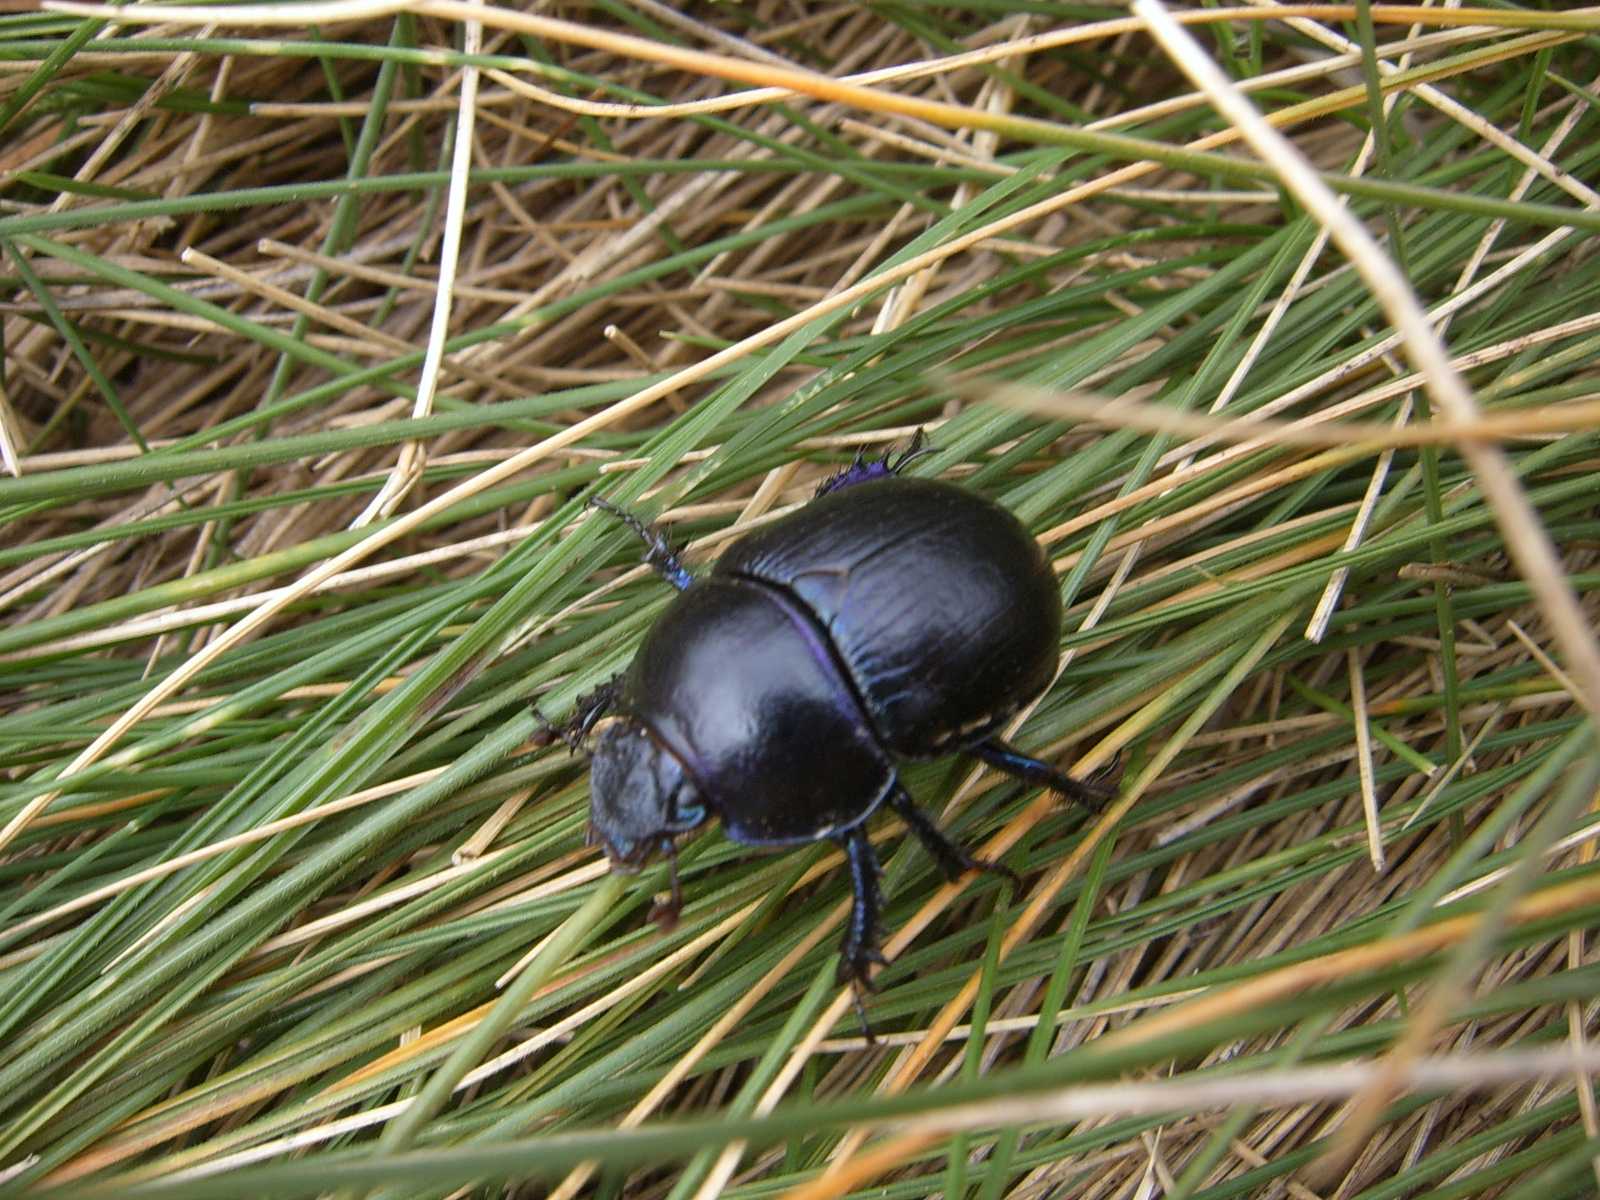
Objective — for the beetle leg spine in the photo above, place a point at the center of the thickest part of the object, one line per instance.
(1007, 758)
(954, 859)
(859, 951)
(863, 469)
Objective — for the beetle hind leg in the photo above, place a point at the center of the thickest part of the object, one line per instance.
(859, 952)
(954, 859)
(1005, 757)
(659, 554)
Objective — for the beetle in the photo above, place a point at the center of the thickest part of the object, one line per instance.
(889, 618)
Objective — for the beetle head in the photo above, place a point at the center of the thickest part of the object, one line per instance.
(640, 797)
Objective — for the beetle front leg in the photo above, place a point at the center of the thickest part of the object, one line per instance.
(860, 949)
(863, 469)
(586, 712)
(954, 859)
(659, 554)
(1004, 757)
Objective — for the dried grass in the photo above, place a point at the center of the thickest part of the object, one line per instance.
(1333, 934)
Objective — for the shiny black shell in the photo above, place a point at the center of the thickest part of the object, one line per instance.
(898, 618)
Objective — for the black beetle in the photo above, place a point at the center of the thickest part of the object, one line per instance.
(889, 618)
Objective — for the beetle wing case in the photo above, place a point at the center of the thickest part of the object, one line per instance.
(736, 681)
(939, 604)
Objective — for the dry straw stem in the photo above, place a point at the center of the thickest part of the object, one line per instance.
(773, 74)
(1227, 1002)
(172, 865)
(1475, 1072)
(1350, 439)
(197, 614)
(913, 1063)
(939, 113)
(1367, 438)
(1526, 539)
(1157, 580)
(524, 1048)
(714, 1036)
(261, 616)
(408, 467)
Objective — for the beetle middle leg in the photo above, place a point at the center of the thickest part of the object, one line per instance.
(659, 554)
(1004, 757)
(860, 949)
(954, 859)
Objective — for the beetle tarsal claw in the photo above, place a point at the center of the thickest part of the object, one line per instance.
(854, 971)
(664, 913)
(861, 1015)
(855, 968)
